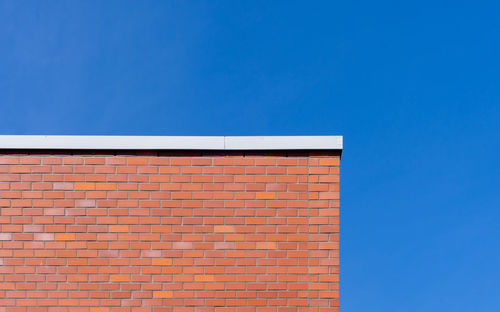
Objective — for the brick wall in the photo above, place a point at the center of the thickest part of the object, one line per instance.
(169, 231)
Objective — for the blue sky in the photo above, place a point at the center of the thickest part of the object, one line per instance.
(412, 86)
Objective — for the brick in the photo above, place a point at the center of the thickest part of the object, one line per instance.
(224, 245)
(64, 237)
(85, 203)
(63, 186)
(106, 186)
(5, 236)
(223, 228)
(19, 169)
(204, 278)
(119, 278)
(266, 245)
(118, 228)
(5, 160)
(182, 245)
(162, 294)
(329, 162)
(84, 186)
(266, 195)
(162, 261)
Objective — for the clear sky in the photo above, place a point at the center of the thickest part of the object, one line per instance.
(412, 86)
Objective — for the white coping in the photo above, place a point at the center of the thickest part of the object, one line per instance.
(102, 142)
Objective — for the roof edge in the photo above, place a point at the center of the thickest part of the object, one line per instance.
(103, 142)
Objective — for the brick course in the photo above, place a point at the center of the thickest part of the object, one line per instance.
(175, 231)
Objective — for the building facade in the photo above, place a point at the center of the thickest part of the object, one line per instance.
(182, 224)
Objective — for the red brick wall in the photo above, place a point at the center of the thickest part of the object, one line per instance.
(169, 231)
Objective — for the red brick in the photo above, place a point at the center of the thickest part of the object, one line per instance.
(204, 278)
(85, 186)
(119, 278)
(223, 228)
(64, 237)
(266, 245)
(162, 261)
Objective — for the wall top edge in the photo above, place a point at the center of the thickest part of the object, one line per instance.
(102, 142)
